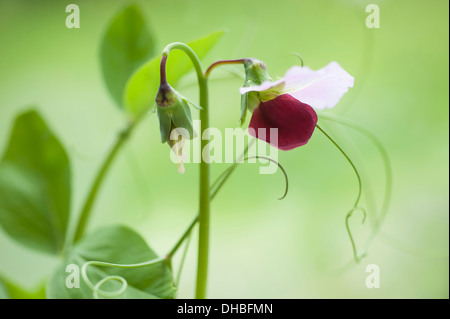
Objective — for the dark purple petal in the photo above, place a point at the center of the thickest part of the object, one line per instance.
(294, 120)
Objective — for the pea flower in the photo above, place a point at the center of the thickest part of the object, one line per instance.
(288, 104)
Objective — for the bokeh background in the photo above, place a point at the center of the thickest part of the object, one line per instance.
(260, 247)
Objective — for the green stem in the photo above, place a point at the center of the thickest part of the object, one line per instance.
(195, 61)
(214, 189)
(183, 258)
(204, 205)
(182, 238)
(87, 207)
(223, 62)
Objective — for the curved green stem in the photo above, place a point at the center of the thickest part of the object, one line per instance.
(183, 258)
(88, 205)
(183, 237)
(204, 206)
(223, 62)
(195, 61)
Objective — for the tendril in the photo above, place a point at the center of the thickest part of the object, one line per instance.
(279, 165)
(96, 288)
(387, 168)
(224, 176)
(358, 197)
(347, 217)
(300, 57)
(97, 292)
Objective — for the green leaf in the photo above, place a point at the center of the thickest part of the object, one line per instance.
(126, 45)
(4, 293)
(142, 87)
(118, 245)
(10, 290)
(35, 186)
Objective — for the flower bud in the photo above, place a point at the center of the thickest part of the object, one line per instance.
(175, 121)
(173, 112)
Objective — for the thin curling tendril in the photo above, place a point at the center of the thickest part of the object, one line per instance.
(347, 226)
(224, 176)
(279, 165)
(355, 206)
(97, 292)
(96, 288)
(387, 168)
(300, 57)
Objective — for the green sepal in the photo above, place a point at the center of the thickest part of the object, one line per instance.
(173, 112)
(244, 107)
(255, 72)
(181, 117)
(253, 100)
(249, 102)
(164, 123)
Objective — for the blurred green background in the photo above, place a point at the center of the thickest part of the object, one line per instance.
(260, 247)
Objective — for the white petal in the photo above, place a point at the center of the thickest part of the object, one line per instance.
(320, 89)
(262, 87)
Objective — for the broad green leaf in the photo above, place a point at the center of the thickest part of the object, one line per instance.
(142, 87)
(10, 290)
(118, 245)
(19, 293)
(125, 46)
(35, 185)
(4, 293)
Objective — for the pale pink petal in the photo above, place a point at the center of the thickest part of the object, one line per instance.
(258, 88)
(320, 89)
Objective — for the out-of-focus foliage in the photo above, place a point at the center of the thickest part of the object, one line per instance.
(126, 45)
(4, 294)
(35, 185)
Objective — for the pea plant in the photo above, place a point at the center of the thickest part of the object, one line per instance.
(115, 261)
